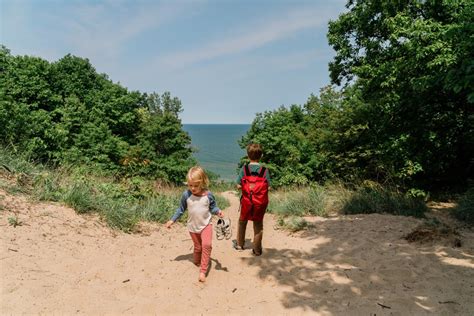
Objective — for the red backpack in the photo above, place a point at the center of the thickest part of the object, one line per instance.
(254, 200)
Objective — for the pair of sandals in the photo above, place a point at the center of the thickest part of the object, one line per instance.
(223, 229)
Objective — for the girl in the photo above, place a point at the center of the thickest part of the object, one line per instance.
(201, 204)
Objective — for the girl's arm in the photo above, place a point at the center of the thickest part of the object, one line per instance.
(180, 210)
(213, 208)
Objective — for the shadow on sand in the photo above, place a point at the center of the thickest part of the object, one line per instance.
(363, 265)
(189, 257)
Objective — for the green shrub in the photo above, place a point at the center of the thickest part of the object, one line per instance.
(373, 198)
(465, 209)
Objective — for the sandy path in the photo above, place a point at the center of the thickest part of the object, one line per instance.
(59, 262)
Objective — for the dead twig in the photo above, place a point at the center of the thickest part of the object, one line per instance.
(383, 306)
(449, 302)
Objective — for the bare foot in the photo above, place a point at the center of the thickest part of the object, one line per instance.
(202, 277)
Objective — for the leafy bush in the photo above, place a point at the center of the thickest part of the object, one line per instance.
(411, 64)
(405, 109)
(286, 149)
(65, 112)
(465, 208)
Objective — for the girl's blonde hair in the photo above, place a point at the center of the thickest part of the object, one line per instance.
(197, 174)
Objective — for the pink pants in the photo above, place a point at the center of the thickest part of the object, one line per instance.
(202, 247)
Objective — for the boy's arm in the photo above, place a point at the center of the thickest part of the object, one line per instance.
(267, 175)
(239, 178)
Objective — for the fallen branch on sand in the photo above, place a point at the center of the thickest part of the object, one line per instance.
(383, 306)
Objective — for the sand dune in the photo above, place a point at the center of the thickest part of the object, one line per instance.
(63, 263)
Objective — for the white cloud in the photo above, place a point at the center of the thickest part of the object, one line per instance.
(261, 34)
(103, 30)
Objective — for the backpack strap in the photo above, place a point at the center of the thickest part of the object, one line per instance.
(262, 172)
(246, 170)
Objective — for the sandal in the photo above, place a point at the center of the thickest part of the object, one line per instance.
(219, 229)
(236, 247)
(227, 229)
(223, 229)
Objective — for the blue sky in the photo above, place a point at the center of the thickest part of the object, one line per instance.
(225, 59)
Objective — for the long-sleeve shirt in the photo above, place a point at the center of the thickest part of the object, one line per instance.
(200, 210)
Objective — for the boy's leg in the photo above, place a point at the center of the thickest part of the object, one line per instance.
(257, 237)
(197, 248)
(206, 237)
(241, 233)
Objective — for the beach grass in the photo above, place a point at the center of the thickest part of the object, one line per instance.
(121, 202)
(292, 204)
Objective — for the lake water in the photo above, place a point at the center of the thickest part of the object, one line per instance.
(217, 147)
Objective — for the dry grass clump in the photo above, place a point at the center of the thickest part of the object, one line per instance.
(435, 231)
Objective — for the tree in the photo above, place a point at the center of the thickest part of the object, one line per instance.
(412, 62)
(286, 148)
(66, 112)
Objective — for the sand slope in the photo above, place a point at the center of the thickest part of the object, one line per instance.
(63, 263)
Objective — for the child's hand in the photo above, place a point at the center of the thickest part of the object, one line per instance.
(220, 214)
(168, 224)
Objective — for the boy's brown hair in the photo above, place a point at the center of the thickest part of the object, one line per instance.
(254, 151)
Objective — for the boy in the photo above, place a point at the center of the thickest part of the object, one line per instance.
(254, 181)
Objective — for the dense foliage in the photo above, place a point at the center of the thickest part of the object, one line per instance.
(413, 63)
(465, 208)
(405, 113)
(64, 112)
